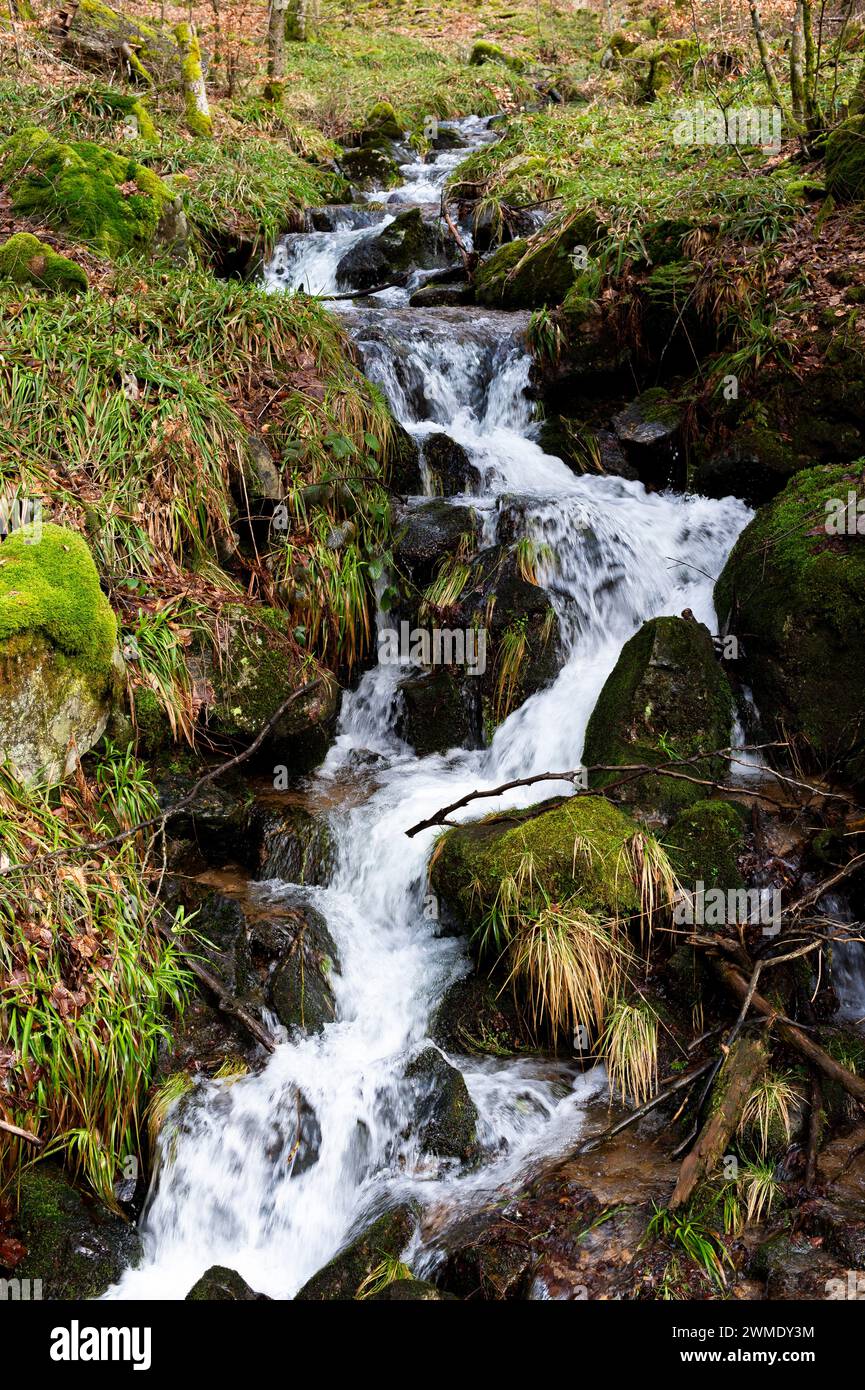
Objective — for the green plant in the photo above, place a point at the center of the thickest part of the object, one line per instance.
(629, 1045)
(387, 1272)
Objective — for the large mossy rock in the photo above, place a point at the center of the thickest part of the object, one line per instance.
(59, 667)
(107, 199)
(529, 274)
(666, 697)
(794, 594)
(29, 261)
(429, 531)
(704, 844)
(370, 168)
(385, 1239)
(94, 35)
(439, 709)
(260, 669)
(406, 243)
(845, 160)
(75, 1245)
(449, 1116)
(471, 861)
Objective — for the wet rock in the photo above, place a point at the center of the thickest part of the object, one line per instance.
(666, 697)
(474, 1016)
(448, 1126)
(339, 217)
(75, 1245)
(584, 451)
(343, 1276)
(221, 928)
(841, 1227)
(427, 532)
(794, 1268)
(440, 709)
(795, 589)
(649, 430)
(262, 476)
(222, 1285)
(403, 462)
(450, 468)
(300, 989)
(295, 845)
(523, 275)
(495, 1264)
(522, 647)
(406, 243)
(369, 168)
(218, 822)
(438, 296)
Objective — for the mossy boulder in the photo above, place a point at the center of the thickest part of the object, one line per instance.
(386, 1238)
(97, 36)
(300, 990)
(427, 532)
(704, 843)
(793, 591)
(406, 243)
(382, 120)
(845, 160)
(412, 1291)
(29, 261)
(660, 61)
(471, 860)
(59, 665)
(260, 669)
(485, 52)
(369, 168)
(666, 697)
(531, 274)
(439, 709)
(107, 199)
(75, 1245)
(221, 1285)
(293, 844)
(448, 1115)
(649, 431)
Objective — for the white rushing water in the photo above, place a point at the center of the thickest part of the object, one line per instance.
(232, 1187)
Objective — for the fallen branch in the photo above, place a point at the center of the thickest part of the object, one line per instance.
(791, 1034)
(359, 294)
(226, 1002)
(21, 1133)
(742, 1070)
(679, 1084)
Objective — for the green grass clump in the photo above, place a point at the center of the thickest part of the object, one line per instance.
(85, 979)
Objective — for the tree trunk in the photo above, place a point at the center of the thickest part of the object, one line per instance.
(194, 91)
(96, 36)
(765, 55)
(299, 20)
(276, 40)
(740, 1074)
(797, 75)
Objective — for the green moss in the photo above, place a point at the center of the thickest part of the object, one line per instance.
(382, 119)
(145, 48)
(151, 723)
(484, 52)
(471, 860)
(106, 102)
(198, 120)
(845, 160)
(369, 168)
(532, 274)
(796, 592)
(29, 261)
(51, 587)
(704, 842)
(113, 202)
(664, 59)
(666, 697)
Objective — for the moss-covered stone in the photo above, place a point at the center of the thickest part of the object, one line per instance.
(666, 697)
(300, 989)
(406, 243)
(470, 861)
(449, 1117)
(221, 1285)
(382, 119)
(369, 168)
(74, 1244)
(660, 61)
(113, 202)
(845, 160)
(704, 843)
(29, 261)
(531, 274)
(260, 669)
(386, 1238)
(794, 592)
(485, 52)
(97, 36)
(59, 667)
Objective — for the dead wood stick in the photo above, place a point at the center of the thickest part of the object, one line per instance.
(21, 1133)
(679, 1084)
(814, 1130)
(226, 1003)
(791, 1034)
(742, 1070)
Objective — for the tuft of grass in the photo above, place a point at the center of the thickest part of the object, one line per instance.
(630, 1047)
(571, 966)
(691, 1233)
(387, 1272)
(767, 1114)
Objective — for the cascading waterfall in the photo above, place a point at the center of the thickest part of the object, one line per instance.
(270, 1174)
